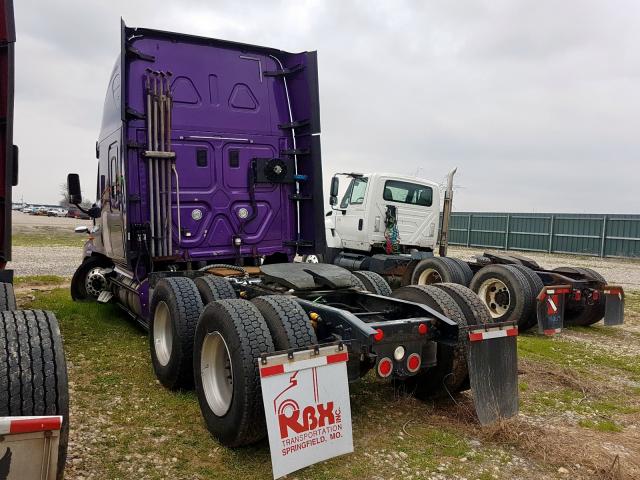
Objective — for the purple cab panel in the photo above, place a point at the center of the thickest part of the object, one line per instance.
(232, 104)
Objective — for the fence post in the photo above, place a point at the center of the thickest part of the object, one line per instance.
(469, 230)
(604, 236)
(553, 219)
(506, 240)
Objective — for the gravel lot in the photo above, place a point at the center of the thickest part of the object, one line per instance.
(46, 260)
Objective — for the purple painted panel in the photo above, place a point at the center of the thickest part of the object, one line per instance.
(227, 111)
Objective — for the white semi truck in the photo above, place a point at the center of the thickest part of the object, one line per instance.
(390, 224)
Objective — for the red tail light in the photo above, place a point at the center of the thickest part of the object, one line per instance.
(379, 335)
(385, 367)
(595, 295)
(413, 362)
(422, 329)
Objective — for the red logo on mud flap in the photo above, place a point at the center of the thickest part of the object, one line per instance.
(292, 419)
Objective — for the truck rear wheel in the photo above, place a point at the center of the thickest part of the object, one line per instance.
(450, 372)
(437, 270)
(33, 375)
(287, 321)
(467, 273)
(214, 288)
(536, 286)
(374, 283)
(506, 292)
(581, 314)
(7, 297)
(89, 279)
(231, 334)
(175, 309)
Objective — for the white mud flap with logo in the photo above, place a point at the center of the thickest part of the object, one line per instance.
(29, 447)
(306, 405)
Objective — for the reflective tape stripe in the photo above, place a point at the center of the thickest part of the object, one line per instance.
(270, 370)
(552, 331)
(9, 425)
(478, 335)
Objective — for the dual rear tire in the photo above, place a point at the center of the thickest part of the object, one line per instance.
(450, 374)
(231, 335)
(201, 335)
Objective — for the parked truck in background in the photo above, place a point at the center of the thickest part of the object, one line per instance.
(390, 224)
(209, 184)
(34, 397)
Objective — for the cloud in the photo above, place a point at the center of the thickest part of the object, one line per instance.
(535, 102)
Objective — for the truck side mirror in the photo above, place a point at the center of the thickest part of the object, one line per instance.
(73, 189)
(333, 192)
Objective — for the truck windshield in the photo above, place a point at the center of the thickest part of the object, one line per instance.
(355, 192)
(405, 192)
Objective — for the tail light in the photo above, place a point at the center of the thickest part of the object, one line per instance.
(422, 329)
(413, 362)
(385, 367)
(595, 295)
(379, 335)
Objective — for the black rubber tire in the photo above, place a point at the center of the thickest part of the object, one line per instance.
(7, 297)
(450, 372)
(247, 336)
(536, 286)
(78, 285)
(521, 298)
(475, 312)
(33, 374)
(183, 301)
(357, 283)
(467, 273)
(446, 269)
(287, 321)
(374, 282)
(580, 314)
(213, 288)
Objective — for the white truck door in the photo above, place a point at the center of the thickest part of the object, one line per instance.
(351, 222)
(417, 210)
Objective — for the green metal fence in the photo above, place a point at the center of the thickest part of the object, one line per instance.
(579, 234)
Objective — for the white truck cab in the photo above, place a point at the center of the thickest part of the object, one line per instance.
(373, 202)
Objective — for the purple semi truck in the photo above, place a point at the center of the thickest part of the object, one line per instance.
(209, 184)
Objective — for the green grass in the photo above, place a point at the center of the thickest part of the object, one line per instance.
(578, 356)
(48, 237)
(39, 280)
(600, 425)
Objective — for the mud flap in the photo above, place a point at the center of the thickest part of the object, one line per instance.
(614, 306)
(550, 309)
(493, 372)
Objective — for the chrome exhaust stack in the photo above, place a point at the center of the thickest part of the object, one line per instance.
(160, 158)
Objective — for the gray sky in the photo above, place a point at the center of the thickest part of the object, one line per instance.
(536, 102)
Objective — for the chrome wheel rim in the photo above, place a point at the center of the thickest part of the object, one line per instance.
(429, 276)
(311, 259)
(95, 283)
(216, 373)
(496, 296)
(162, 333)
